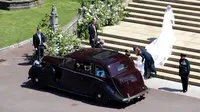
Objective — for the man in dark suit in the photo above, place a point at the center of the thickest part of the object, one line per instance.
(93, 33)
(184, 71)
(149, 66)
(38, 42)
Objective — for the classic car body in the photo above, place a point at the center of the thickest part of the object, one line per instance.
(97, 73)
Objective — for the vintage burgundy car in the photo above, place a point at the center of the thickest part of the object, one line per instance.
(97, 73)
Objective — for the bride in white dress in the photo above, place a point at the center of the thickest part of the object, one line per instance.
(161, 48)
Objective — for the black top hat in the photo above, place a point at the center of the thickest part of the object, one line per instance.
(183, 55)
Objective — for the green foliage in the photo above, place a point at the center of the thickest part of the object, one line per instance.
(58, 43)
(107, 12)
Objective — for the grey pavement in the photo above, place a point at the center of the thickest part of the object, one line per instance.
(17, 94)
(173, 87)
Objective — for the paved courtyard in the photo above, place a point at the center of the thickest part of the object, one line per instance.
(17, 94)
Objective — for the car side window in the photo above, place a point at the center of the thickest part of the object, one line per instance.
(68, 63)
(100, 72)
(85, 67)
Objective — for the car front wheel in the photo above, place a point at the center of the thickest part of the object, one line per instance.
(37, 77)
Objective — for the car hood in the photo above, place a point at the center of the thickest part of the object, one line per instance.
(129, 84)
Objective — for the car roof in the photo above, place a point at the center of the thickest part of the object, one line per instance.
(97, 55)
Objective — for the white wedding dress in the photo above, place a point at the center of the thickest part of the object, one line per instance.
(139, 65)
(161, 48)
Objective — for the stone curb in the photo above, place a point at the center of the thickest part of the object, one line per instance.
(16, 45)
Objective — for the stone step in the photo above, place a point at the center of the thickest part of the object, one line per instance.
(159, 24)
(119, 46)
(173, 4)
(129, 37)
(173, 62)
(138, 32)
(160, 19)
(188, 2)
(176, 78)
(130, 43)
(159, 11)
(175, 71)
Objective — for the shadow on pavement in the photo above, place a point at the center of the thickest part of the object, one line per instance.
(25, 64)
(170, 89)
(28, 58)
(110, 104)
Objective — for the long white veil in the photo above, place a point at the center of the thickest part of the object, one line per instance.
(161, 48)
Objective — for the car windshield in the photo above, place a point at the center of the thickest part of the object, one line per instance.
(119, 67)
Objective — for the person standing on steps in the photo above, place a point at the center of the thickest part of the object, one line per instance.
(149, 67)
(93, 33)
(38, 43)
(184, 71)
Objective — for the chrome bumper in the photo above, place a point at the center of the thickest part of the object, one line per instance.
(135, 96)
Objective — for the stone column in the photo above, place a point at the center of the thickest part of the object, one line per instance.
(54, 19)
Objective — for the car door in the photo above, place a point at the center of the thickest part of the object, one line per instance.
(84, 70)
(94, 79)
(69, 78)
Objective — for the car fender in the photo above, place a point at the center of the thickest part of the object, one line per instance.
(97, 86)
(34, 71)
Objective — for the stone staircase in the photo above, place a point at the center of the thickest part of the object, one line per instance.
(187, 13)
(144, 24)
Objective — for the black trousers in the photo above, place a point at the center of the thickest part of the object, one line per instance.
(40, 52)
(184, 81)
(148, 68)
(92, 43)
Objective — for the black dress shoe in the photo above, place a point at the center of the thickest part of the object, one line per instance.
(184, 91)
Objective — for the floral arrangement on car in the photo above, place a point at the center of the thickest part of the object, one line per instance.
(107, 12)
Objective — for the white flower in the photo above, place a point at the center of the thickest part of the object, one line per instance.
(89, 11)
(60, 36)
(85, 8)
(87, 14)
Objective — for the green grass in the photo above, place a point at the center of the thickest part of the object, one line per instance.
(20, 25)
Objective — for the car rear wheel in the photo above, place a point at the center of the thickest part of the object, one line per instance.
(101, 98)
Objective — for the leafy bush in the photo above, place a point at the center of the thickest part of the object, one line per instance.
(107, 12)
(58, 43)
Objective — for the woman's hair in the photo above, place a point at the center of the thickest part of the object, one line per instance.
(135, 48)
(127, 52)
(168, 8)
